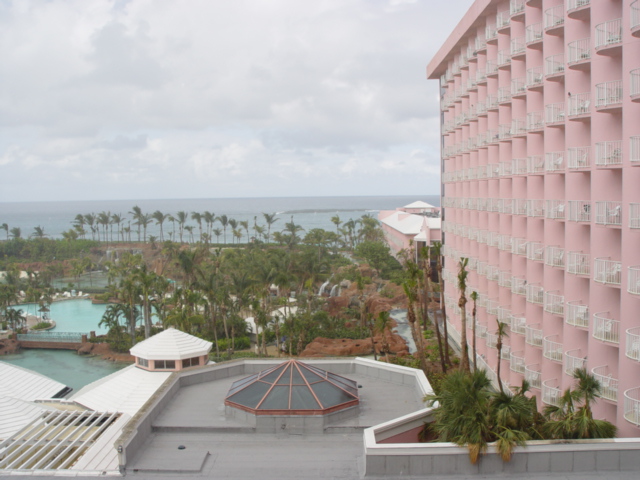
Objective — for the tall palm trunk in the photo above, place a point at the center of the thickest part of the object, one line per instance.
(474, 297)
(462, 303)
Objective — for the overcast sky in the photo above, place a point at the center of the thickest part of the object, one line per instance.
(205, 99)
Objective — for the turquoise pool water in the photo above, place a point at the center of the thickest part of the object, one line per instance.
(73, 315)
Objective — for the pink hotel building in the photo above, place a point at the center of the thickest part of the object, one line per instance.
(540, 118)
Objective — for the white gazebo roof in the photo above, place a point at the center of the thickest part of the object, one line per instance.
(171, 344)
(419, 204)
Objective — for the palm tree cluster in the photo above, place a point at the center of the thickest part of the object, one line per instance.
(35, 287)
(471, 413)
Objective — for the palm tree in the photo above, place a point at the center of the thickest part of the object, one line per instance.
(336, 221)
(14, 318)
(474, 312)
(436, 250)
(197, 216)
(160, 218)
(502, 332)
(136, 213)
(189, 228)
(181, 218)
(38, 232)
(270, 218)
(116, 219)
(103, 219)
(217, 232)
(5, 227)
(462, 303)
(245, 224)
(224, 221)
(79, 223)
(292, 230)
(383, 325)
(425, 254)
(16, 232)
(410, 290)
(209, 218)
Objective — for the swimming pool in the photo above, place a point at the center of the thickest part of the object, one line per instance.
(79, 315)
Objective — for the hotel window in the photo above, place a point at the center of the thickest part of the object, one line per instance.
(143, 362)
(164, 364)
(190, 362)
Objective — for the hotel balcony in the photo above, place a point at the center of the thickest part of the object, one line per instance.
(491, 34)
(519, 166)
(609, 213)
(580, 54)
(609, 37)
(481, 330)
(481, 76)
(533, 35)
(493, 304)
(580, 106)
(491, 68)
(504, 95)
(535, 251)
(481, 109)
(535, 208)
(608, 384)
(491, 340)
(505, 354)
(573, 359)
(609, 96)
(633, 286)
(578, 263)
(607, 272)
(634, 150)
(579, 158)
(504, 279)
(504, 134)
(505, 171)
(519, 286)
(554, 20)
(535, 293)
(518, 47)
(516, 8)
(578, 8)
(606, 329)
(482, 271)
(519, 206)
(554, 303)
(554, 67)
(634, 215)
(555, 209)
(533, 375)
(633, 343)
(554, 257)
(634, 88)
(554, 160)
(535, 78)
(505, 240)
(518, 246)
(551, 349)
(503, 20)
(535, 122)
(518, 87)
(504, 58)
(517, 324)
(579, 211)
(504, 314)
(482, 297)
(632, 406)
(480, 44)
(535, 165)
(551, 395)
(577, 314)
(555, 114)
(492, 102)
(516, 363)
(635, 18)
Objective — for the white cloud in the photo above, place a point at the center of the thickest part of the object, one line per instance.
(219, 98)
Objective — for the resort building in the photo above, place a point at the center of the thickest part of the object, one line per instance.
(418, 222)
(540, 119)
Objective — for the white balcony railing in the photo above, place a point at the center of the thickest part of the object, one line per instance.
(519, 166)
(579, 158)
(607, 271)
(633, 343)
(518, 86)
(554, 161)
(605, 328)
(555, 209)
(504, 57)
(632, 405)
(554, 17)
(554, 303)
(608, 384)
(518, 286)
(535, 294)
(634, 87)
(480, 44)
(491, 68)
(518, 46)
(535, 251)
(533, 33)
(609, 153)
(516, 363)
(575, 4)
(609, 213)
(490, 33)
(634, 215)
(505, 279)
(491, 340)
(518, 246)
(573, 359)
(492, 306)
(579, 211)
(633, 280)
(516, 7)
(535, 77)
(577, 314)
(609, 94)
(517, 324)
(635, 15)
(609, 33)
(554, 257)
(579, 104)
(634, 150)
(554, 65)
(550, 394)
(535, 164)
(554, 113)
(503, 19)
(578, 263)
(579, 51)
(533, 375)
(535, 208)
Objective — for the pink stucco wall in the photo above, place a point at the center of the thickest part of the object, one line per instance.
(530, 157)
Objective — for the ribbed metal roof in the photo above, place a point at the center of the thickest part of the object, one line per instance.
(171, 344)
(18, 382)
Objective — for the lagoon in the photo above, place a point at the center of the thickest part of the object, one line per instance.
(77, 316)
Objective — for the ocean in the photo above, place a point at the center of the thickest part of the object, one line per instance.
(308, 212)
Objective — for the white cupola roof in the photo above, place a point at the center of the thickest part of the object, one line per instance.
(171, 344)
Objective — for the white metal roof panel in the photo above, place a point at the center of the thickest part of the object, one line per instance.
(419, 204)
(15, 414)
(18, 382)
(171, 344)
